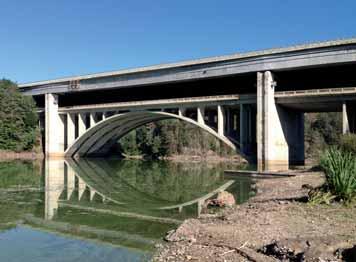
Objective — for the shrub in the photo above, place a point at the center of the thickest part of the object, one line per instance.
(348, 143)
(340, 170)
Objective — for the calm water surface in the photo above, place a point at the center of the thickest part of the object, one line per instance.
(101, 210)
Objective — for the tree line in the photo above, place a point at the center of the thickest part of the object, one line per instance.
(18, 119)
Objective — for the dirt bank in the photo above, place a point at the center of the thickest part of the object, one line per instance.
(275, 225)
(10, 155)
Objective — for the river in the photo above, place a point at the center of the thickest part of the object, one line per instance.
(102, 209)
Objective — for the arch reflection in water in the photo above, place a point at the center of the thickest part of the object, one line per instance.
(138, 198)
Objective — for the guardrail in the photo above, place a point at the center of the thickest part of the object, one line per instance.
(317, 92)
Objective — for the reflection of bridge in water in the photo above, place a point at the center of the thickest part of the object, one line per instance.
(99, 187)
(131, 203)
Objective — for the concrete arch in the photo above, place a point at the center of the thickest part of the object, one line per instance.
(92, 142)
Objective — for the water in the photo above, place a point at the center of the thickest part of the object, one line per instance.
(101, 210)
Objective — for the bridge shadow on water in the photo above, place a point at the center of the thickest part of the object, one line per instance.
(128, 203)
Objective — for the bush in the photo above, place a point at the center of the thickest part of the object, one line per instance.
(340, 170)
(348, 143)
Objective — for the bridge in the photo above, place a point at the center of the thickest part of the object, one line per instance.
(253, 102)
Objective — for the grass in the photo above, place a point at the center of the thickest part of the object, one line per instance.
(340, 171)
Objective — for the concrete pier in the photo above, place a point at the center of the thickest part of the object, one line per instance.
(280, 132)
(54, 127)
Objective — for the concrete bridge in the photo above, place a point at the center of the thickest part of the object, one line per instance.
(254, 102)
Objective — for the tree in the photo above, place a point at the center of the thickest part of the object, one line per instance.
(18, 118)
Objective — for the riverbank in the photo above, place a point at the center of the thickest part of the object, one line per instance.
(11, 155)
(209, 158)
(274, 225)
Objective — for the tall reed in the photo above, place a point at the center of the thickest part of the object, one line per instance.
(340, 170)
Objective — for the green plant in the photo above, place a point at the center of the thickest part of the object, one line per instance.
(340, 170)
(348, 143)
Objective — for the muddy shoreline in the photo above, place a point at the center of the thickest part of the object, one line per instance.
(275, 225)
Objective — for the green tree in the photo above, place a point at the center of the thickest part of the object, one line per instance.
(18, 118)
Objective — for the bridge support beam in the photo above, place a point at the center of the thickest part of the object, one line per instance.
(280, 132)
(348, 118)
(221, 121)
(54, 127)
(70, 129)
(200, 115)
(81, 124)
(181, 111)
(92, 119)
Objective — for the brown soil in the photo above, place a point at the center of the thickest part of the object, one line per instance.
(275, 225)
(10, 155)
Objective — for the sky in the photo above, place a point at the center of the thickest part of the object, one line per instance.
(47, 39)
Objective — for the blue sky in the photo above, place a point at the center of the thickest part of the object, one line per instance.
(46, 39)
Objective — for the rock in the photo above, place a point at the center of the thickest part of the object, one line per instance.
(188, 231)
(223, 199)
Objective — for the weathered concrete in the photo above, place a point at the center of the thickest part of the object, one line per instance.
(81, 124)
(70, 129)
(348, 117)
(54, 130)
(280, 132)
(200, 115)
(92, 119)
(221, 121)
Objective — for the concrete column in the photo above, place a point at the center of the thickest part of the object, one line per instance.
(349, 117)
(92, 119)
(70, 129)
(54, 127)
(181, 111)
(221, 121)
(104, 115)
(280, 132)
(81, 124)
(345, 119)
(200, 115)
